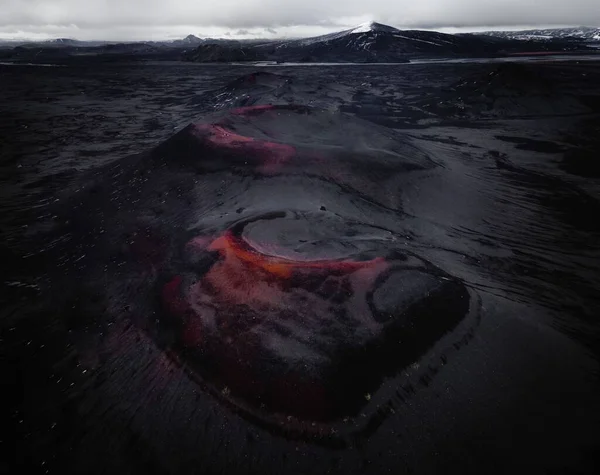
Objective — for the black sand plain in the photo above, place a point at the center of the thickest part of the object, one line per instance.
(315, 269)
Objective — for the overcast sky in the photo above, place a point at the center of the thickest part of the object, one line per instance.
(163, 19)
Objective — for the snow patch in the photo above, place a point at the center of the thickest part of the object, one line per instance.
(364, 28)
(416, 39)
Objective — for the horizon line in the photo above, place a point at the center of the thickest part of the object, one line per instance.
(476, 29)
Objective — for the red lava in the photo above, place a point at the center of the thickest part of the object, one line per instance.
(230, 246)
(272, 154)
(176, 304)
(245, 290)
(245, 276)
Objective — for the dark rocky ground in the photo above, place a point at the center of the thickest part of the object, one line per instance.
(394, 270)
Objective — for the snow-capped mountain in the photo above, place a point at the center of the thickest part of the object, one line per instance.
(363, 37)
(375, 42)
(582, 33)
(365, 28)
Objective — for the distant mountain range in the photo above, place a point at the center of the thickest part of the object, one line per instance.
(376, 43)
(54, 43)
(223, 53)
(581, 33)
(369, 42)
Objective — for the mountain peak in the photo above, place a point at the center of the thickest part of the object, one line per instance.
(373, 26)
(189, 40)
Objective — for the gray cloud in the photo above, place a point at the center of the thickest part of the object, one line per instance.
(115, 18)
